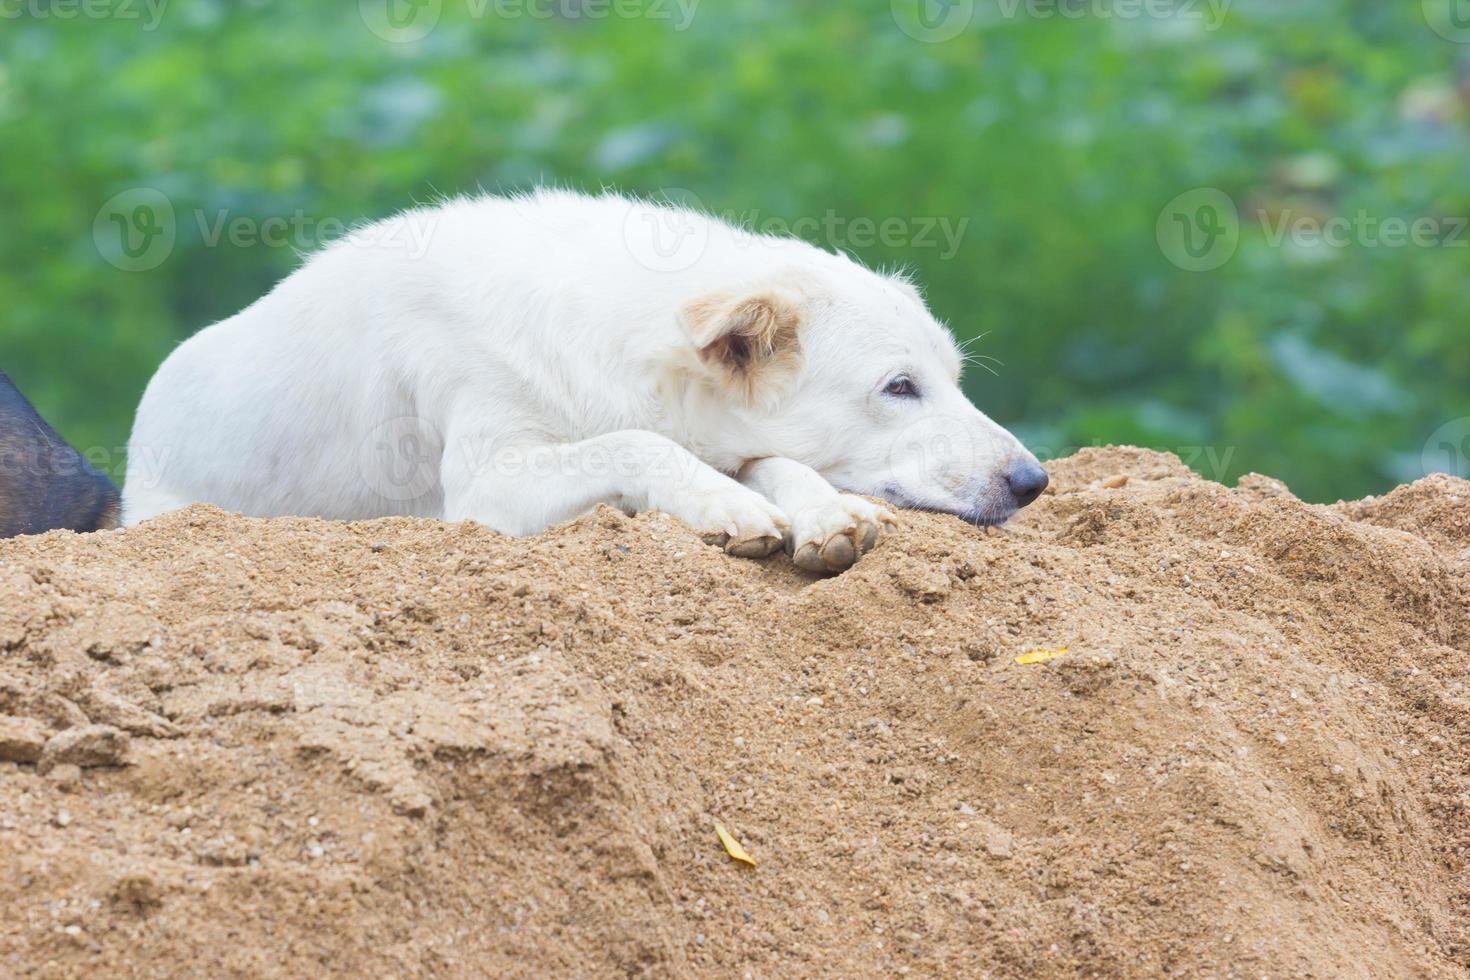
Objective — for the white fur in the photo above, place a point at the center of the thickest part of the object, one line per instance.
(516, 361)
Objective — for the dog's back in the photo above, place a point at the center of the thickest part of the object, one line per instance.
(45, 484)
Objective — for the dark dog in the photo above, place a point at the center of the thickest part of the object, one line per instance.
(44, 483)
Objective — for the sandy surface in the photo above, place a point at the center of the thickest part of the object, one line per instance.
(404, 748)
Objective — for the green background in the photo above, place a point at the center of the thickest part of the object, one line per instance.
(1061, 140)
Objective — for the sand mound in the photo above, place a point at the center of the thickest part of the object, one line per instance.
(404, 748)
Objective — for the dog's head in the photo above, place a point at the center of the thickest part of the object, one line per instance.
(847, 371)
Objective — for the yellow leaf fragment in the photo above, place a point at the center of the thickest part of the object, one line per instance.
(732, 846)
(1040, 656)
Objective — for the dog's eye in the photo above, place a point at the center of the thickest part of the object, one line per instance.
(901, 387)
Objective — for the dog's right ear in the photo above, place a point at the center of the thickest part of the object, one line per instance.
(749, 341)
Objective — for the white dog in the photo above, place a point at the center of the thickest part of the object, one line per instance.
(516, 361)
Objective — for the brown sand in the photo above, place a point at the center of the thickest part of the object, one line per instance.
(406, 748)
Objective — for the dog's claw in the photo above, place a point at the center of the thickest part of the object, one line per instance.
(753, 547)
(733, 518)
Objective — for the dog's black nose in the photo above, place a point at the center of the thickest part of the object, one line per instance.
(1026, 481)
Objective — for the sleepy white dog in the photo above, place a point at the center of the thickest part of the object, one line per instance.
(516, 361)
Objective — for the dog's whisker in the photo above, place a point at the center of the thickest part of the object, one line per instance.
(983, 361)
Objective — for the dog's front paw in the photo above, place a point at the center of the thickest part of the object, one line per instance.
(832, 535)
(741, 521)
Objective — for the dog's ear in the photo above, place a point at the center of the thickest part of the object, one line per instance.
(749, 341)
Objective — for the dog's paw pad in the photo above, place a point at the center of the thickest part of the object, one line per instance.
(839, 552)
(809, 558)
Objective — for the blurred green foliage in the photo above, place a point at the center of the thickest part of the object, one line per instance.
(1061, 140)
